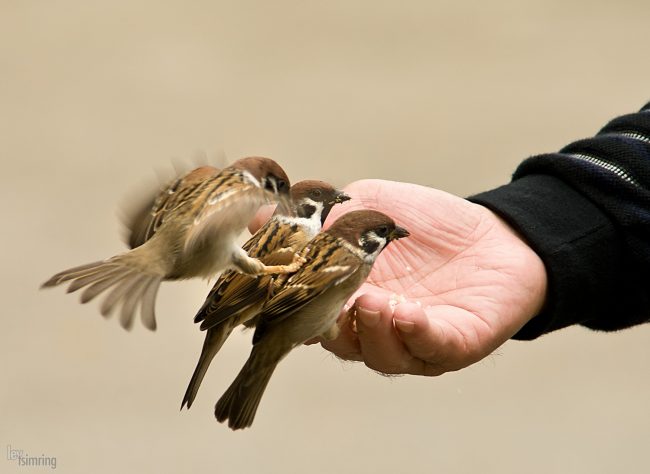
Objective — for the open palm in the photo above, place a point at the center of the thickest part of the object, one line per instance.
(460, 286)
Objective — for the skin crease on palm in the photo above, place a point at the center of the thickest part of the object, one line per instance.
(464, 281)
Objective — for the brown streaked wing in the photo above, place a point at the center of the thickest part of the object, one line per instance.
(273, 244)
(266, 233)
(328, 264)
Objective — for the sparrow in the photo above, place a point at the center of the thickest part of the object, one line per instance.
(237, 298)
(308, 304)
(191, 231)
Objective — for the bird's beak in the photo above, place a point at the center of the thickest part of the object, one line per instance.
(284, 202)
(399, 233)
(283, 207)
(340, 197)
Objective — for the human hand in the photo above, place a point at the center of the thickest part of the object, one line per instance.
(461, 285)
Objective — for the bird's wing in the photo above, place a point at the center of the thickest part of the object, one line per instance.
(148, 218)
(139, 221)
(229, 197)
(328, 264)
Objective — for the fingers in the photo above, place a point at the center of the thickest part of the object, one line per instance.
(263, 215)
(443, 336)
(406, 340)
(381, 348)
(422, 337)
(381, 337)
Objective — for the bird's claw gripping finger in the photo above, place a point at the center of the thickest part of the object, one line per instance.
(295, 265)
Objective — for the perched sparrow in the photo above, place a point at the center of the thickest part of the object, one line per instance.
(237, 298)
(190, 232)
(338, 261)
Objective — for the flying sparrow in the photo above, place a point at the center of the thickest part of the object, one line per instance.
(191, 231)
(237, 298)
(308, 304)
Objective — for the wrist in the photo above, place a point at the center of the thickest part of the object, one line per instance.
(575, 239)
(534, 280)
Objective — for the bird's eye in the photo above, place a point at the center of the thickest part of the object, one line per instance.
(382, 231)
(316, 194)
(281, 184)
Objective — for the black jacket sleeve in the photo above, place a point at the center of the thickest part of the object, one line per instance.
(586, 212)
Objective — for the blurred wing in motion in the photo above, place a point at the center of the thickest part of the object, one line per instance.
(143, 222)
(231, 199)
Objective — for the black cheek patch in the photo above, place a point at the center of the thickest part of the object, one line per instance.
(306, 210)
(370, 246)
(268, 185)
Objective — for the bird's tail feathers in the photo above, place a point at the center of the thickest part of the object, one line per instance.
(214, 339)
(131, 283)
(239, 403)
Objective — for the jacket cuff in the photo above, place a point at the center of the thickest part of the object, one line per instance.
(577, 242)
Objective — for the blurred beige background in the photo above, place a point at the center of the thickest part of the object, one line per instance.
(95, 96)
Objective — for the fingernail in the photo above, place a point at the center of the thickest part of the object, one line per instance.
(368, 318)
(404, 326)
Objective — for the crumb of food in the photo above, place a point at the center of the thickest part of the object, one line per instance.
(396, 299)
